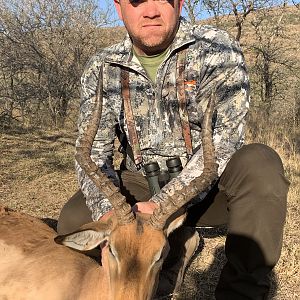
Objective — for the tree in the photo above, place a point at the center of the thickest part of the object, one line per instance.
(193, 9)
(44, 46)
(274, 70)
(219, 9)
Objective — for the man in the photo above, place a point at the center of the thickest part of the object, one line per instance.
(156, 85)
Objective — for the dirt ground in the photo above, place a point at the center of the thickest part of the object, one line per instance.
(37, 177)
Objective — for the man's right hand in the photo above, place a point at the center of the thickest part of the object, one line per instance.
(146, 207)
(107, 215)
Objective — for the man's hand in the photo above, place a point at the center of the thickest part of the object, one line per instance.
(106, 216)
(145, 207)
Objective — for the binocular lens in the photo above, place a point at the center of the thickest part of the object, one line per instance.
(156, 178)
(152, 169)
(174, 166)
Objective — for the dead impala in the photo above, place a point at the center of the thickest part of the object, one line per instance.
(36, 264)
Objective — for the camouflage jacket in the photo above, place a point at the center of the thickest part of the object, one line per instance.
(213, 61)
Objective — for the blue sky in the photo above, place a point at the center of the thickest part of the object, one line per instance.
(104, 3)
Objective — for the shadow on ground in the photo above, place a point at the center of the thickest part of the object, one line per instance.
(202, 284)
(50, 222)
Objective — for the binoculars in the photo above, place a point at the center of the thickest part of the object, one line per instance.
(158, 178)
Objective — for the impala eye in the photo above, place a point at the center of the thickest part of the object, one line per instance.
(159, 256)
(163, 253)
(112, 251)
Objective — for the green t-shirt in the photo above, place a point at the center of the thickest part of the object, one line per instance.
(151, 63)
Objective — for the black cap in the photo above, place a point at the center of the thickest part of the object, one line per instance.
(152, 168)
(173, 162)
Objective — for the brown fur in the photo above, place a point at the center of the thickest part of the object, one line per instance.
(33, 266)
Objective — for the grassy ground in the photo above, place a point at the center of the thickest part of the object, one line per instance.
(37, 172)
(37, 177)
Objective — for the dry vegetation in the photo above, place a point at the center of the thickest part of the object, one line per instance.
(37, 177)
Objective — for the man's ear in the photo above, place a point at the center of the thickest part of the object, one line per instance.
(118, 8)
(181, 2)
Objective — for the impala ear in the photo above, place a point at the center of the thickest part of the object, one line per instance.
(175, 221)
(86, 238)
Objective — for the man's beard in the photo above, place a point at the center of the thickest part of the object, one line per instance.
(152, 43)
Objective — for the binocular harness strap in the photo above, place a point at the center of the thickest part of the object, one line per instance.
(184, 117)
(133, 137)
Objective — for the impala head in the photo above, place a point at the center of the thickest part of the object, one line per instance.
(133, 255)
(137, 245)
(135, 260)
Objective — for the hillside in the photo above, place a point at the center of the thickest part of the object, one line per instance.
(37, 167)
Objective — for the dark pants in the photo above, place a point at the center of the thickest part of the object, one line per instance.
(250, 198)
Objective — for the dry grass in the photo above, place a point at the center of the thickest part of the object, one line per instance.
(37, 177)
(37, 172)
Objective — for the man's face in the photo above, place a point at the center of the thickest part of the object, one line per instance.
(151, 24)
